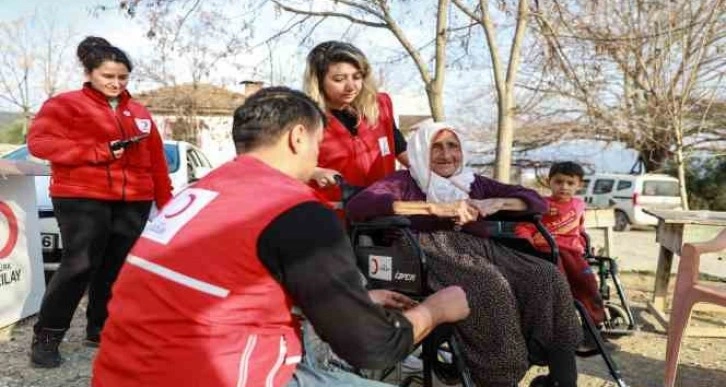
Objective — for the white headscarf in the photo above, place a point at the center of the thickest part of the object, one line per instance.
(437, 189)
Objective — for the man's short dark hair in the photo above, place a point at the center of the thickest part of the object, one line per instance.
(269, 113)
(567, 168)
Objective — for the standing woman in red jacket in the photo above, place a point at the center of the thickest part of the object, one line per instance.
(361, 141)
(101, 193)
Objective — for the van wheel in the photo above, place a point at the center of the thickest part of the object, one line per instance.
(621, 221)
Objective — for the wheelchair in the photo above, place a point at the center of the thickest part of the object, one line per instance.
(619, 318)
(385, 263)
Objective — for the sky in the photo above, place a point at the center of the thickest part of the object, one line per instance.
(400, 78)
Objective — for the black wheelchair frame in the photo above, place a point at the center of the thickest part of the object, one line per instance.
(619, 318)
(412, 282)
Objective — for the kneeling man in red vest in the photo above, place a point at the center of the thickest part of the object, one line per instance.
(205, 296)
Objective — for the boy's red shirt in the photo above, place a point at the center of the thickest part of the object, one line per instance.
(565, 221)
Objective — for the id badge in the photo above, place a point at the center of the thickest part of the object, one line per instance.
(383, 145)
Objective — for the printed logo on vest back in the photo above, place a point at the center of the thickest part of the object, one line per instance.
(177, 213)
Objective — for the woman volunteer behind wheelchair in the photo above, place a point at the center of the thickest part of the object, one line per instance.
(107, 164)
(522, 309)
(361, 140)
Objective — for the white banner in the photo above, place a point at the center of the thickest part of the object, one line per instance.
(21, 265)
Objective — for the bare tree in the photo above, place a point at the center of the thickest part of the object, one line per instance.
(33, 62)
(192, 40)
(645, 73)
(379, 14)
(504, 81)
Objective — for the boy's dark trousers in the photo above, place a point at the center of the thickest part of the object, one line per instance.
(97, 235)
(583, 283)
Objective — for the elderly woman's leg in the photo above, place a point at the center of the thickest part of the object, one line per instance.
(549, 320)
(492, 340)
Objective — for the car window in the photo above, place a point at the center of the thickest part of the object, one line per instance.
(660, 188)
(202, 159)
(603, 186)
(624, 184)
(583, 189)
(22, 154)
(171, 153)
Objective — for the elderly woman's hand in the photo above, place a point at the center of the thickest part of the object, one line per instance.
(324, 177)
(487, 207)
(391, 299)
(461, 210)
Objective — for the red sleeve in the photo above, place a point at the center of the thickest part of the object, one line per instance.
(159, 169)
(48, 139)
(525, 230)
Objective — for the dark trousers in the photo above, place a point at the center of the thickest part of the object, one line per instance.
(97, 235)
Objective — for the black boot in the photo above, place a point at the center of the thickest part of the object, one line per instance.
(44, 349)
(93, 337)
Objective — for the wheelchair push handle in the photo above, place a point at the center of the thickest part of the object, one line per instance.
(347, 191)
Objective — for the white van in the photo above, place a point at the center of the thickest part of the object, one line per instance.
(629, 195)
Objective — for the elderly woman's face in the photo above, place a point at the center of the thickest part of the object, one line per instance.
(446, 154)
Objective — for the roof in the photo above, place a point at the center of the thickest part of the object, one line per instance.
(206, 99)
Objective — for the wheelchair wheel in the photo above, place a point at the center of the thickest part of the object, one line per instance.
(616, 318)
(444, 365)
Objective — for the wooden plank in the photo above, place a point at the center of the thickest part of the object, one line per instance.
(608, 241)
(670, 236)
(705, 332)
(599, 218)
(659, 315)
(662, 277)
(712, 218)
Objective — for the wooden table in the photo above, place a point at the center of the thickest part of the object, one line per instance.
(601, 219)
(669, 235)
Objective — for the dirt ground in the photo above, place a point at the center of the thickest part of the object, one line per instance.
(641, 356)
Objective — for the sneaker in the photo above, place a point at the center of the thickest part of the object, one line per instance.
(44, 348)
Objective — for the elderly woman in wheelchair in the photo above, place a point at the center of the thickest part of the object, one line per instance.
(521, 306)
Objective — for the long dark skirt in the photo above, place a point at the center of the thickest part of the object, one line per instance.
(521, 306)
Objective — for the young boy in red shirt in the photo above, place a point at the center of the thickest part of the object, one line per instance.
(564, 221)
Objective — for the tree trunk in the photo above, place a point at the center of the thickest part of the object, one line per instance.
(436, 103)
(655, 156)
(681, 165)
(505, 137)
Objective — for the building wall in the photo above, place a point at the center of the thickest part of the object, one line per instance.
(214, 139)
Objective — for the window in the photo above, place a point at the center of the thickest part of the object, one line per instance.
(171, 153)
(660, 188)
(22, 154)
(201, 159)
(624, 184)
(603, 186)
(583, 190)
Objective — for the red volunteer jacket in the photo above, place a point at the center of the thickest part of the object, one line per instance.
(362, 159)
(565, 222)
(73, 130)
(194, 305)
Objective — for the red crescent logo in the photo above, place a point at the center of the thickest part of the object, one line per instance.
(192, 197)
(374, 266)
(6, 211)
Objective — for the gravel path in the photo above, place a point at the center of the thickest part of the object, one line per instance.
(641, 356)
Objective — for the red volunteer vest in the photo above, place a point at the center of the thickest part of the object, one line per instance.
(193, 305)
(362, 159)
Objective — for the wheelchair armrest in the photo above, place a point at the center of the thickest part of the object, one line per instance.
(515, 216)
(384, 222)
